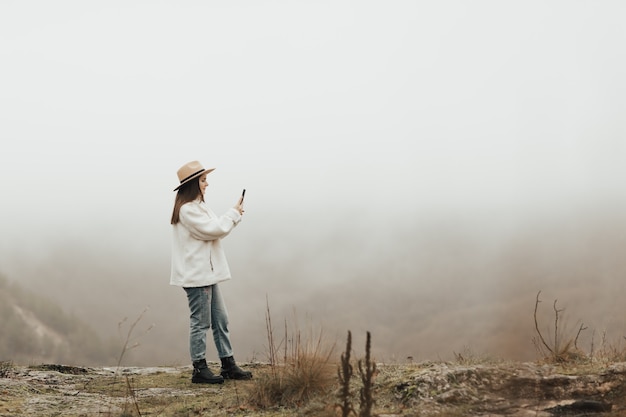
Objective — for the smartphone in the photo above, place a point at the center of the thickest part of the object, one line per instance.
(243, 194)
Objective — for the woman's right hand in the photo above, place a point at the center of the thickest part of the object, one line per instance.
(239, 206)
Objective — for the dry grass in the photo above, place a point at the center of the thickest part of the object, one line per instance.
(560, 345)
(302, 372)
(5, 368)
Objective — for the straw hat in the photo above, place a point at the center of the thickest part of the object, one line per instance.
(190, 171)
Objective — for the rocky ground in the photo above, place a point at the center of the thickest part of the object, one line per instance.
(421, 389)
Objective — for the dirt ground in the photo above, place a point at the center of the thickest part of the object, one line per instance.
(424, 389)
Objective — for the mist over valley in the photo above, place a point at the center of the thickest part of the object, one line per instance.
(426, 288)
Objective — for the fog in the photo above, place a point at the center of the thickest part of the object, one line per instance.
(420, 170)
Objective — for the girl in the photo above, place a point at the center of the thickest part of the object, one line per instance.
(198, 266)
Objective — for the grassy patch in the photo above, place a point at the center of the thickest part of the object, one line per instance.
(300, 368)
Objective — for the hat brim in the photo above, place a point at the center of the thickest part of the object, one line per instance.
(206, 171)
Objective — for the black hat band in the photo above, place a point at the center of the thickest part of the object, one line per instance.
(195, 173)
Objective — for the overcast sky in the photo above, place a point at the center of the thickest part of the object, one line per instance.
(395, 103)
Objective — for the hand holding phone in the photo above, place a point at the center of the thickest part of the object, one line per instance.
(243, 194)
(239, 206)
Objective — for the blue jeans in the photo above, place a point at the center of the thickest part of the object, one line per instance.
(208, 310)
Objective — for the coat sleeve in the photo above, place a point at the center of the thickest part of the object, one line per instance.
(204, 225)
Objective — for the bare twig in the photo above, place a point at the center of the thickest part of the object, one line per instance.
(563, 346)
(556, 327)
(580, 330)
(129, 338)
(537, 301)
(130, 342)
(285, 356)
(131, 393)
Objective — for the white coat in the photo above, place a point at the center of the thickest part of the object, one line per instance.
(198, 259)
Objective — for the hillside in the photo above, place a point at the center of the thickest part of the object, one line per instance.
(35, 329)
(425, 389)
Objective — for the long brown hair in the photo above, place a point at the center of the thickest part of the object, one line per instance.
(188, 192)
